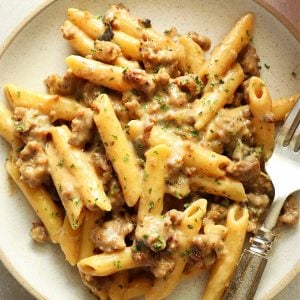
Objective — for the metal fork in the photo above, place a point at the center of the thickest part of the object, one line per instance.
(285, 161)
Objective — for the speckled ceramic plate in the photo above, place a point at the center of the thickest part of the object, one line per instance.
(38, 49)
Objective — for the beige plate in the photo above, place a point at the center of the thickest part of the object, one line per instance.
(38, 50)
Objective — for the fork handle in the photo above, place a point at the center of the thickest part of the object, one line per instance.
(247, 276)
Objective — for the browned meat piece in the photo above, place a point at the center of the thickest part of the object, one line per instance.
(68, 31)
(99, 286)
(106, 51)
(65, 86)
(113, 190)
(209, 246)
(162, 267)
(202, 41)
(156, 57)
(111, 235)
(154, 232)
(249, 61)
(217, 213)
(177, 98)
(229, 127)
(90, 92)
(175, 216)
(244, 170)
(33, 164)
(290, 211)
(39, 233)
(141, 79)
(257, 204)
(31, 125)
(102, 164)
(190, 83)
(133, 108)
(82, 127)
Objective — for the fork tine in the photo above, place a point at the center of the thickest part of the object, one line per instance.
(289, 126)
(295, 142)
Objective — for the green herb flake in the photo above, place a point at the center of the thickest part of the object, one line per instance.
(194, 133)
(117, 264)
(125, 69)
(126, 158)
(150, 191)
(151, 205)
(114, 137)
(60, 163)
(190, 226)
(267, 66)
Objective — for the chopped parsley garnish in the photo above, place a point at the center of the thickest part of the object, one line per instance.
(117, 264)
(61, 163)
(151, 205)
(267, 66)
(126, 158)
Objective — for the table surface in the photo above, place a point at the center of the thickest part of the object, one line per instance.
(11, 13)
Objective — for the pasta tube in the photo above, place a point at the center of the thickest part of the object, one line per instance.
(120, 151)
(204, 160)
(41, 202)
(225, 187)
(281, 107)
(89, 223)
(107, 263)
(225, 54)
(189, 226)
(260, 104)
(221, 274)
(70, 242)
(64, 184)
(56, 106)
(7, 128)
(80, 41)
(99, 73)
(84, 175)
(154, 186)
(205, 109)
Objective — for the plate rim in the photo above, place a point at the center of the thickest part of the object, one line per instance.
(4, 47)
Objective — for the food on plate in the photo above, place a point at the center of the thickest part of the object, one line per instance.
(145, 161)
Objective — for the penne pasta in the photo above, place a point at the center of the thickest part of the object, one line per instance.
(66, 188)
(260, 104)
(119, 149)
(189, 226)
(70, 242)
(107, 263)
(221, 274)
(84, 175)
(55, 106)
(225, 54)
(7, 128)
(80, 41)
(281, 107)
(205, 161)
(99, 73)
(91, 25)
(225, 187)
(193, 53)
(205, 108)
(89, 223)
(41, 202)
(154, 186)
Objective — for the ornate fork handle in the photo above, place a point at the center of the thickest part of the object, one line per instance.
(251, 267)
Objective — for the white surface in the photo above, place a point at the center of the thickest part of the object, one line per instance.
(11, 13)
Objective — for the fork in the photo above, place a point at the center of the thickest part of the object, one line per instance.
(284, 161)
